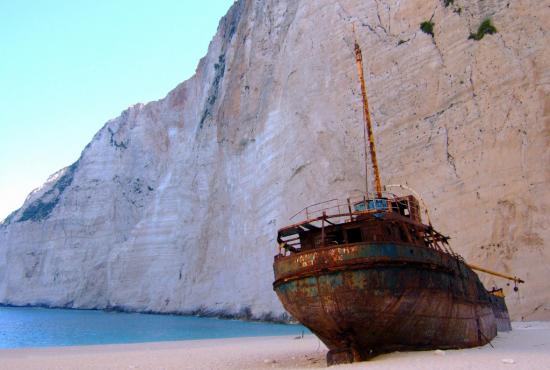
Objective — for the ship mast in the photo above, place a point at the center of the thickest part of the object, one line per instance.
(368, 123)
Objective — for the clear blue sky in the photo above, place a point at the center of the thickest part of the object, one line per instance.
(68, 66)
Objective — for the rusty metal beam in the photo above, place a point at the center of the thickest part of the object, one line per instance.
(515, 279)
(366, 115)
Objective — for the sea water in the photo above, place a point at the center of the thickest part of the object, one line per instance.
(43, 327)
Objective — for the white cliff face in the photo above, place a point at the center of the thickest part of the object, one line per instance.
(174, 205)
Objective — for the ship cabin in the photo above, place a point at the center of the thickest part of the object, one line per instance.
(365, 220)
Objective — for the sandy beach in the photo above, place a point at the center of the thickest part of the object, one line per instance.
(526, 347)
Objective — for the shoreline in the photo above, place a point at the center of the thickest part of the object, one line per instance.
(526, 347)
(245, 314)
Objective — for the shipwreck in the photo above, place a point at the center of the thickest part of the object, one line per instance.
(368, 275)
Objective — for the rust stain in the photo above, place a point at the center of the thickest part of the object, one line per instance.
(377, 280)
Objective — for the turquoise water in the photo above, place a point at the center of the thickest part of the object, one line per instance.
(44, 327)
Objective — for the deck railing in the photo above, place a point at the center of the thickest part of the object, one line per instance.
(335, 211)
(337, 208)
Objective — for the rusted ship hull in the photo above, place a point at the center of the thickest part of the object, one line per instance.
(500, 311)
(365, 299)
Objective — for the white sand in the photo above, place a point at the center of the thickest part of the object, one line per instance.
(526, 347)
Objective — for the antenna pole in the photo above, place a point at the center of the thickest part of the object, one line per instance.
(366, 156)
(368, 123)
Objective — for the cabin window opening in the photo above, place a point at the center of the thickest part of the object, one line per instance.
(354, 235)
(334, 237)
(403, 235)
(389, 232)
(414, 235)
(307, 240)
(403, 206)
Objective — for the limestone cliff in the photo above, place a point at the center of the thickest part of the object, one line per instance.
(174, 205)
